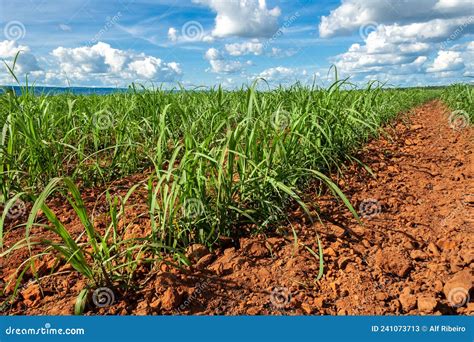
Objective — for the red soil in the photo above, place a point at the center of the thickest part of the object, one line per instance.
(413, 254)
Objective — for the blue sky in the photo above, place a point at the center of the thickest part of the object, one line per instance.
(231, 42)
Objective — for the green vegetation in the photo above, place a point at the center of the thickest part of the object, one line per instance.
(460, 99)
(213, 162)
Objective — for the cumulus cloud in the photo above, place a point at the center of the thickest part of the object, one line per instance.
(352, 14)
(245, 48)
(447, 61)
(26, 61)
(172, 34)
(243, 18)
(221, 65)
(282, 75)
(403, 39)
(102, 62)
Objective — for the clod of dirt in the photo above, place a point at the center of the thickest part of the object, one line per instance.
(196, 252)
(427, 304)
(307, 308)
(407, 300)
(171, 299)
(391, 261)
(418, 255)
(205, 261)
(457, 288)
(257, 249)
(31, 294)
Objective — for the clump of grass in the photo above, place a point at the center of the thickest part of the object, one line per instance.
(460, 97)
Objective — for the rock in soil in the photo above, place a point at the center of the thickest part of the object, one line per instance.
(458, 288)
(171, 299)
(391, 261)
(427, 304)
(196, 252)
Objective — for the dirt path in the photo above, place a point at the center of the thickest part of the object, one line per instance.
(413, 254)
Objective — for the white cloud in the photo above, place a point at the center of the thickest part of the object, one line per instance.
(245, 48)
(172, 34)
(352, 14)
(282, 75)
(26, 61)
(447, 61)
(220, 65)
(101, 62)
(243, 18)
(404, 35)
(192, 31)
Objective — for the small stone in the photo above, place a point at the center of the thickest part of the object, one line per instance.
(438, 285)
(171, 299)
(427, 304)
(433, 249)
(155, 304)
(457, 288)
(258, 250)
(336, 230)
(418, 255)
(391, 261)
(381, 296)
(408, 245)
(218, 268)
(407, 301)
(205, 261)
(308, 309)
(330, 252)
(196, 252)
(318, 302)
(142, 308)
